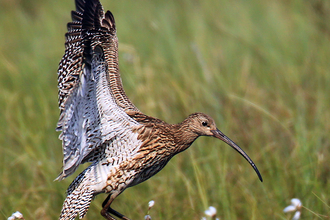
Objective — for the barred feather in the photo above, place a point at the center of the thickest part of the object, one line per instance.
(90, 26)
(79, 197)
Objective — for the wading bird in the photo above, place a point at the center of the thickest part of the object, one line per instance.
(100, 125)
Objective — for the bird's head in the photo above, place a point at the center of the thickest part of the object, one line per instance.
(204, 125)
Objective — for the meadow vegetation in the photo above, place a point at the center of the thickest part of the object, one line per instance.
(259, 68)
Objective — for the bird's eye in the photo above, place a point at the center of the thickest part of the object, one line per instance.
(204, 123)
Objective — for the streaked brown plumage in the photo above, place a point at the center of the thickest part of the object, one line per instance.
(101, 125)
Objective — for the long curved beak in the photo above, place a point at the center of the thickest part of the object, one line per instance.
(218, 134)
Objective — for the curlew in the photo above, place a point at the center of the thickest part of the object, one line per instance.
(100, 125)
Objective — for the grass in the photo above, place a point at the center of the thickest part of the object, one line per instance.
(259, 68)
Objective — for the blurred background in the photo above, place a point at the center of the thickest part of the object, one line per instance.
(259, 68)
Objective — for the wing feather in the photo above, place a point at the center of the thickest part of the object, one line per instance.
(92, 100)
(90, 25)
(91, 116)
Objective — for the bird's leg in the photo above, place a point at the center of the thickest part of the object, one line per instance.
(107, 210)
(106, 204)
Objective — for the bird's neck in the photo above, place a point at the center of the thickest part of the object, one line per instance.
(184, 136)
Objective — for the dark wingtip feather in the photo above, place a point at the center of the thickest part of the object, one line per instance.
(72, 26)
(80, 5)
(109, 20)
(76, 16)
(93, 12)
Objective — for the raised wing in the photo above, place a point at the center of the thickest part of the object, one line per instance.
(90, 25)
(91, 97)
(91, 117)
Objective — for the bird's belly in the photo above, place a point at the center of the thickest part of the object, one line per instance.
(131, 172)
(145, 172)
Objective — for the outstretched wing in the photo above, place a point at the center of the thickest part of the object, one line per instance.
(91, 98)
(90, 25)
(91, 116)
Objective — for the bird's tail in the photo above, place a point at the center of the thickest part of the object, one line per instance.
(79, 196)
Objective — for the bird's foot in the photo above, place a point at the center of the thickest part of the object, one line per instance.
(106, 213)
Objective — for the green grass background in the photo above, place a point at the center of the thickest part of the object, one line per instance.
(259, 68)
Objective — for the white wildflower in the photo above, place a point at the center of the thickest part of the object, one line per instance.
(16, 215)
(151, 203)
(295, 206)
(147, 217)
(211, 211)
